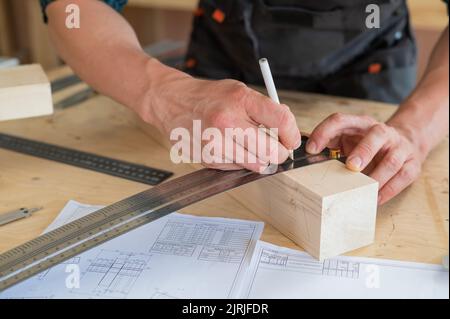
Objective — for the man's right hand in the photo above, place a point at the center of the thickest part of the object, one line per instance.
(174, 100)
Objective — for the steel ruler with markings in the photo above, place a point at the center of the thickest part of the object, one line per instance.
(97, 163)
(105, 224)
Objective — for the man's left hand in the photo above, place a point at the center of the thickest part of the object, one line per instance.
(384, 152)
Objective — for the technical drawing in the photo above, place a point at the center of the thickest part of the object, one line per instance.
(305, 264)
(71, 261)
(273, 259)
(112, 274)
(341, 268)
(220, 242)
(162, 295)
(222, 254)
(173, 249)
(178, 256)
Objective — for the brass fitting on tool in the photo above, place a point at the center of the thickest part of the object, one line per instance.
(335, 153)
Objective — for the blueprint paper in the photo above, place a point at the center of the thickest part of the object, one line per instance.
(178, 256)
(182, 256)
(277, 272)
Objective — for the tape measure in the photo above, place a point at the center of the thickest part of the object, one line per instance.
(105, 224)
(102, 164)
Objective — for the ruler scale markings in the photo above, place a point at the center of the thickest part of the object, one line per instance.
(64, 82)
(118, 168)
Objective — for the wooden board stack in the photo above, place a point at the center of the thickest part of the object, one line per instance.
(24, 92)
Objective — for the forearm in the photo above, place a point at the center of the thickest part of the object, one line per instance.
(424, 115)
(104, 51)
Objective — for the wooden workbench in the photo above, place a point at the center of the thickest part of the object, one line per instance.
(412, 227)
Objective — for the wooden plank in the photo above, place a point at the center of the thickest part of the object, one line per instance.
(324, 208)
(24, 92)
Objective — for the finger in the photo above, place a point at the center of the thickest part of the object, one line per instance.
(269, 148)
(334, 126)
(224, 149)
(240, 156)
(256, 141)
(368, 147)
(264, 111)
(260, 142)
(213, 160)
(389, 166)
(408, 174)
(225, 154)
(334, 143)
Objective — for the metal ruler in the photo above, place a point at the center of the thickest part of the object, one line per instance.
(62, 83)
(105, 224)
(106, 165)
(76, 98)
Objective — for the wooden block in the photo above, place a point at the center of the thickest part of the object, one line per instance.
(325, 208)
(24, 92)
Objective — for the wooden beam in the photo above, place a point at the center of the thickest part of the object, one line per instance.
(24, 92)
(324, 208)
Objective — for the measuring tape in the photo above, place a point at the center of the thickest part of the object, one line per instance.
(130, 171)
(107, 223)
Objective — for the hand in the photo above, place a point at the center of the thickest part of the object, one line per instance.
(384, 152)
(177, 99)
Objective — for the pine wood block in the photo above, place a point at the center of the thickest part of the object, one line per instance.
(24, 92)
(324, 208)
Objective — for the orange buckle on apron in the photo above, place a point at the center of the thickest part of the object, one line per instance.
(218, 15)
(375, 68)
(190, 63)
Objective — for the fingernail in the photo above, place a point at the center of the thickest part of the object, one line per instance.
(311, 147)
(268, 170)
(299, 143)
(354, 163)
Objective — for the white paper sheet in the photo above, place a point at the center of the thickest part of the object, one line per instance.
(277, 272)
(182, 256)
(178, 256)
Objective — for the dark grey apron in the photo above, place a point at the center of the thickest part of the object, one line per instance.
(320, 46)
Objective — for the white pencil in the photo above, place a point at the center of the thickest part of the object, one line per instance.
(270, 86)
